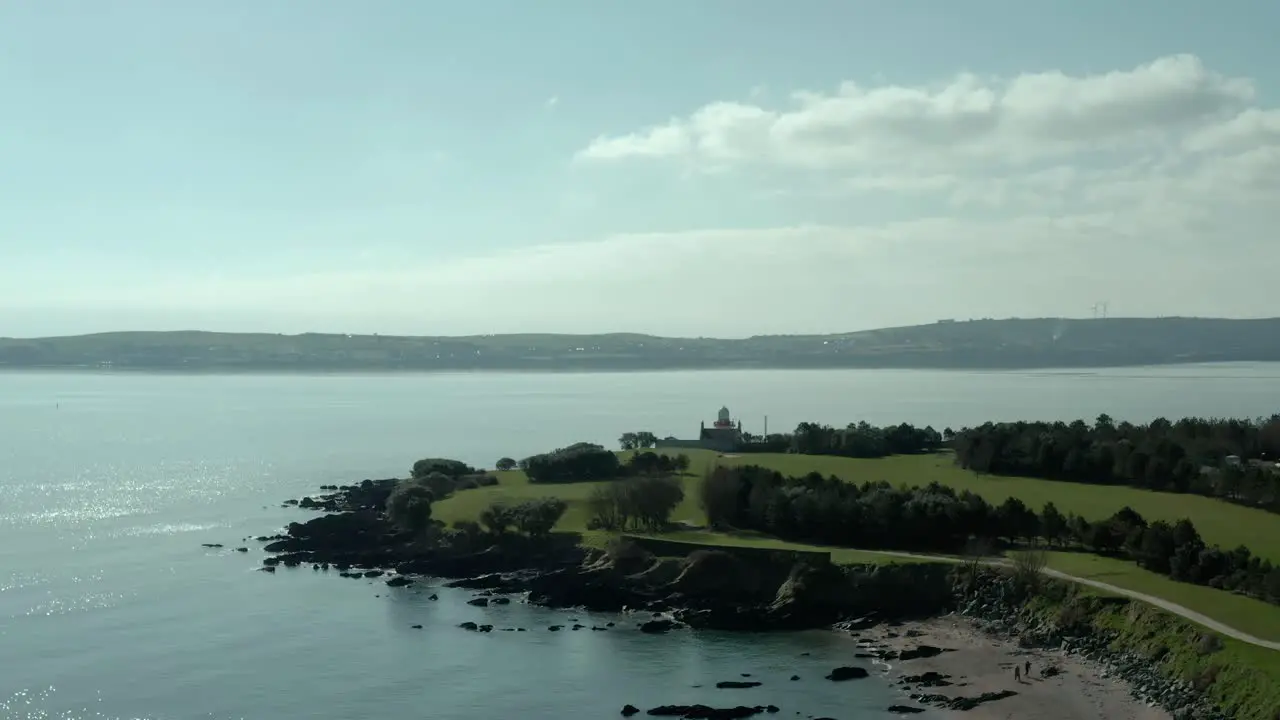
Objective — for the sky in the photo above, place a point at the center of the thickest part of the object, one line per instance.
(711, 168)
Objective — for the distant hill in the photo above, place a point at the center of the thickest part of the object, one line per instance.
(975, 344)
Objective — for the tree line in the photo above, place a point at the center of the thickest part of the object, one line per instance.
(857, 440)
(584, 462)
(1188, 456)
(936, 518)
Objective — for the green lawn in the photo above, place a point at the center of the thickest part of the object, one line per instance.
(1219, 522)
(514, 487)
(1252, 616)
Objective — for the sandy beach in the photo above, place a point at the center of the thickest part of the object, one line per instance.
(981, 664)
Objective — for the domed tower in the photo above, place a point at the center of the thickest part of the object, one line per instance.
(723, 420)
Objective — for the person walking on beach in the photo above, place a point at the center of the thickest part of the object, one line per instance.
(1027, 670)
(1017, 674)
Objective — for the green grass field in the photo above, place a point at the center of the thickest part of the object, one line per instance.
(1252, 616)
(1218, 522)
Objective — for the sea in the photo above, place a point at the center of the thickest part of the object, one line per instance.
(110, 483)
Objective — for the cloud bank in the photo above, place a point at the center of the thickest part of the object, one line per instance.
(1152, 187)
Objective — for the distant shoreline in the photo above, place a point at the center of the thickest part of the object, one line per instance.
(977, 345)
(381, 371)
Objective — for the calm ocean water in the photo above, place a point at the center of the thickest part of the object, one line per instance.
(109, 483)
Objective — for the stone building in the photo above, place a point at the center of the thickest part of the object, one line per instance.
(724, 435)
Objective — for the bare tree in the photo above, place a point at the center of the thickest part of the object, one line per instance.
(976, 554)
(1028, 566)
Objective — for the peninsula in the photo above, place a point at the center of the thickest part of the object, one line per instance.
(926, 550)
(969, 344)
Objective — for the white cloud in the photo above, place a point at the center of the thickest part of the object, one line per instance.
(551, 102)
(968, 122)
(1153, 188)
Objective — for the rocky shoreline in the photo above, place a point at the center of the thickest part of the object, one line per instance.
(712, 589)
(998, 609)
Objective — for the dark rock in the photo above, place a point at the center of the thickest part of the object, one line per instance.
(433, 596)
(795, 677)
(963, 703)
(485, 628)
(929, 679)
(629, 710)
(468, 625)
(923, 651)
(737, 684)
(242, 549)
(556, 628)
(399, 581)
(704, 712)
(416, 627)
(905, 710)
(268, 568)
(373, 573)
(501, 601)
(847, 673)
(771, 708)
(479, 602)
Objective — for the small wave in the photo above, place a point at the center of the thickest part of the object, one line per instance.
(76, 603)
(21, 582)
(33, 704)
(166, 529)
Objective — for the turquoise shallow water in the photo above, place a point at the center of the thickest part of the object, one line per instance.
(109, 484)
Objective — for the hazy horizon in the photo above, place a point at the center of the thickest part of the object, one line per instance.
(679, 169)
(622, 331)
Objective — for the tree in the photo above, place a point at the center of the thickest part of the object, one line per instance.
(604, 508)
(505, 464)
(409, 506)
(1053, 525)
(643, 502)
(445, 466)
(1016, 520)
(637, 440)
(538, 517)
(497, 518)
(575, 463)
(1028, 567)
(682, 463)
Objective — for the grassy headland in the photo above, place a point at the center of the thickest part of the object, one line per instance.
(994, 344)
(1219, 522)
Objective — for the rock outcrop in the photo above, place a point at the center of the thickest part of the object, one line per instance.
(708, 589)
